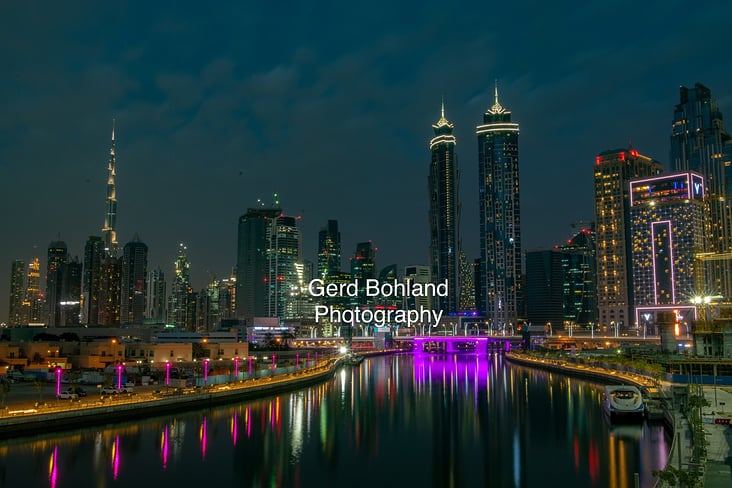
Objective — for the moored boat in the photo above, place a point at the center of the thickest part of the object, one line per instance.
(623, 402)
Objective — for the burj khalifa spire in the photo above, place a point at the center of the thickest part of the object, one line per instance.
(109, 231)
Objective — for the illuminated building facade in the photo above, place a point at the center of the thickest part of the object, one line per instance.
(156, 291)
(17, 293)
(669, 226)
(363, 267)
(71, 278)
(109, 231)
(579, 283)
(283, 278)
(94, 255)
(329, 251)
(134, 283)
(500, 217)
(56, 258)
(467, 285)
(179, 313)
(613, 171)
(33, 305)
(444, 213)
(700, 143)
(253, 263)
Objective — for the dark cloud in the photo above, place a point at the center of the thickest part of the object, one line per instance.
(331, 106)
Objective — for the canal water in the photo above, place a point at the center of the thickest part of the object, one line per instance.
(402, 420)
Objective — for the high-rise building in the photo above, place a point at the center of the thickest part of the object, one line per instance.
(579, 262)
(110, 291)
(363, 267)
(253, 262)
(545, 287)
(33, 304)
(134, 284)
(71, 278)
(94, 256)
(613, 171)
(17, 293)
(500, 216)
(284, 253)
(109, 231)
(700, 143)
(178, 306)
(669, 223)
(329, 250)
(227, 298)
(467, 285)
(444, 213)
(57, 257)
(156, 289)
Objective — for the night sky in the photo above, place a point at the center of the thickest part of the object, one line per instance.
(330, 104)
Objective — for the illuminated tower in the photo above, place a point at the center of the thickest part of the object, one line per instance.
(33, 303)
(613, 171)
(17, 270)
(700, 143)
(444, 213)
(284, 253)
(57, 258)
(669, 223)
(252, 264)
(178, 313)
(134, 284)
(500, 216)
(329, 251)
(156, 288)
(109, 231)
(363, 267)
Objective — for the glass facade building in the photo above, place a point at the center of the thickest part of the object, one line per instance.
(613, 171)
(500, 217)
(444, 214)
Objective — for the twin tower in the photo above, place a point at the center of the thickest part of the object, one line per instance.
(495, 275)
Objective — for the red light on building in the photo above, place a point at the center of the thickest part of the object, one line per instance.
(621, 155)
(597, 159)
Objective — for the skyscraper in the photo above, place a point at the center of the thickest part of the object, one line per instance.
(178, 307)
(94, 256)
(252, 263)
(669, 223)
(700, 143)
(613, 171)
(109, 231)
(284, 253)
(363, 267)
(57, 258)
(134, 284)
(110, 288)
(444, 213)
(329, 250)
(156, 288)
(17, 293)
(71, 278)
(500, 216)
(33, 304)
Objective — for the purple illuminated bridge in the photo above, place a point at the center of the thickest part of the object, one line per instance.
(457, 343)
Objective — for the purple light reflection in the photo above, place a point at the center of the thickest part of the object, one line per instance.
(164, 446)
(53, 468)
(115, 458)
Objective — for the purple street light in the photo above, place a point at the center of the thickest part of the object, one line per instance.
(167, 373)
(205, 370)
(274, 362)
(58, 381)
(119, 376)
(297, 361)
(236, 368)
(250, 365)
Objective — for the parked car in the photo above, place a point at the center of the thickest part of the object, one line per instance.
(108, 390)
(126, 389)
(78, 391)
(67, 395)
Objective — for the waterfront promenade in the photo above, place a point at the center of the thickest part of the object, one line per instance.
(717, 465)
(20, 419)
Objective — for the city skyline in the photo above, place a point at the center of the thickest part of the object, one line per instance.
(202, 119)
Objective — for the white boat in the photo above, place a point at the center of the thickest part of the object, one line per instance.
(623, 402)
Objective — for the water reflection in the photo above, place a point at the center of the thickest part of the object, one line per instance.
(454, 420)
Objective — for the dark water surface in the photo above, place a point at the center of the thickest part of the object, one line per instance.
(454, 420)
